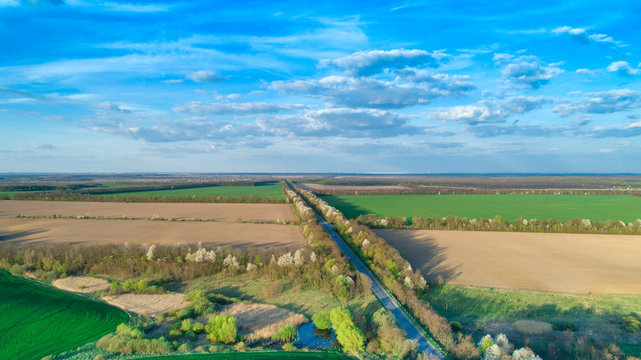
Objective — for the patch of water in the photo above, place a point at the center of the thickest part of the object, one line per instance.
(311, 337)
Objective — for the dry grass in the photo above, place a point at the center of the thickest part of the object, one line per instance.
(262, 321)
(89, 232)
(81, 284)
(532, 327)
(218, 212)
(148, 305)
(565, 263)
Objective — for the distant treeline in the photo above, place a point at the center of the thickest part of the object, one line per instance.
(171, 186)
(35, 187)
(492, 182)
(575, 225)
(449, 190)
(76, 196)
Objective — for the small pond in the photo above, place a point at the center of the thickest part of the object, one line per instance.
(310, 337)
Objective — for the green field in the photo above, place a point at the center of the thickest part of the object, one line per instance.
(479, 305)
(298, 355)
(510, 207)
(36, 320)
(274, 189)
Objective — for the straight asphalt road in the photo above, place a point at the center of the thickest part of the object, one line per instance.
(413, 333)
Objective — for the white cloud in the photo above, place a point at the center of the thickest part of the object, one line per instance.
(204, 76)
(364, 63)
(602, 103)
(340, 122)
(141, 8)
(581, 35)
(623, 68)
(527, 70)
(491, 111)
(203, 108)
(369, 92)
(584, 71)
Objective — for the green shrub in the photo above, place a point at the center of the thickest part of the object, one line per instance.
(128, 340)
(198, 328)
(351, 338)
(114, 287)
(142, 285)
(631, 324)
(286, 334)
(185, 325)
(241, 346)
(456, 326)
(184, 348)
(195, 295)
(129, 285)
(340, 316)
(184, 314)
(289, 347)
(222, 329)
(321, 320)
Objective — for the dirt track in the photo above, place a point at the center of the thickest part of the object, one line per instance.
(568, 263)
(87, 232)
(210, 211)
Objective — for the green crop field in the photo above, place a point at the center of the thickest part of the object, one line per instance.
(510, 207)
(298, 355)
(274, 189)
(36, 320)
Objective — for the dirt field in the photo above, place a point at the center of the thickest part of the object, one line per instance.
(149, 305)
(320, 187)
(86, 232)
(81, 284)
(568, 263)
(217, 212)
(262, 321)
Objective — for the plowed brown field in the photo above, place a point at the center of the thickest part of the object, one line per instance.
(568, 263)
(228, 212)
(88, 232)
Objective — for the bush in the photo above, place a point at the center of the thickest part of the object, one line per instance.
(631, 324)
(340, 316)
(222, 329)
(185, 325)
(184, 348)
(321, 320)
(272, 290)
(128, 340)
(289, 347)
(129, 286)
(241, 346)
(198, 328)
(195, 295)
(564, 326)
(142, 285)
(286, 334)
(184, 314)
(351, 338)
(456, 326)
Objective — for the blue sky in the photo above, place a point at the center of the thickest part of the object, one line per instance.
(336, 86)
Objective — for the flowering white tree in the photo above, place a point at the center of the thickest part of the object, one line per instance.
(286, 259)
(201, 255)
(298, 258)
(150, 252)
(231, 262)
